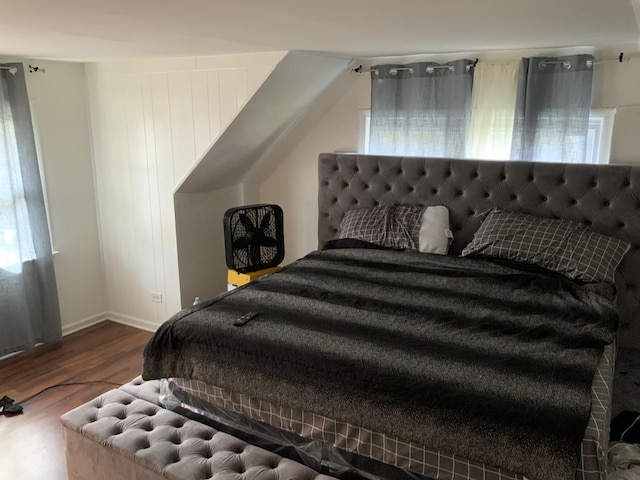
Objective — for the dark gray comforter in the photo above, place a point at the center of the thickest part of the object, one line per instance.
(489, 361)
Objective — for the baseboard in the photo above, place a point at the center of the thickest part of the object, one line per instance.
(132, 321)
(84, 323)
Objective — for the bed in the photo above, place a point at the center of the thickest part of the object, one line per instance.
(348, 417)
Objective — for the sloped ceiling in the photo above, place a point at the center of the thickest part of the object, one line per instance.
(91, 30)
(285, 96)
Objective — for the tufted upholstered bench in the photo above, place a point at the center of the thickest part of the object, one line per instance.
(120, 436)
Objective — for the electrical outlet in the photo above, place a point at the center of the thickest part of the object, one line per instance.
(156, 297)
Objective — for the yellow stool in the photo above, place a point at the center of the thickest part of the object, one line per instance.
(236, 279)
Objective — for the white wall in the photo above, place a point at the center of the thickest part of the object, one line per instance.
(334, 126)
(151, 121)
(201, 255)
(60, 115)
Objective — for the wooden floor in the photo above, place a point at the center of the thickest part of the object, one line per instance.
(31, 443)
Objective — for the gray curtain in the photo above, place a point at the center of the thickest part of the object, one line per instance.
(29, 309)
(420, 110)
(552, 109)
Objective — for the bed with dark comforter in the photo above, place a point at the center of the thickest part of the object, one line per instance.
(449, 367)
(491, 361)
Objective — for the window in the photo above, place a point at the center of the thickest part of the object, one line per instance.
(16, 243)
(598, 137)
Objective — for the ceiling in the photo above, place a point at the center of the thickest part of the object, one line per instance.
(92, 30)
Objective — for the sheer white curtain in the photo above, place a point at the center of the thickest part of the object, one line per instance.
(493, 105)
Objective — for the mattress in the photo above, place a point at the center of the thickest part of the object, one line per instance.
(207, 401)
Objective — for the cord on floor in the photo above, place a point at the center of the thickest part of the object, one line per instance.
(10, 407)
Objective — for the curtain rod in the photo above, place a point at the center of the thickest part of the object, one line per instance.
(620, 58)
(12, 70)
(429, 69)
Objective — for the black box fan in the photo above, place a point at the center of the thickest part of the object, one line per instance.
(253, 237)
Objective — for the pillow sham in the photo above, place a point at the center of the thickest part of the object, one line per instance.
(396, 226)
(564, 246)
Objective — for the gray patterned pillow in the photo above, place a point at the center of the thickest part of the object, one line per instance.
(567, 247)
(395, 226)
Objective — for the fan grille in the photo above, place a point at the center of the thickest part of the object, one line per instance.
(254, 237)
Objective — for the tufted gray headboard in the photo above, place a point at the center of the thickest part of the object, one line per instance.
(605, 197)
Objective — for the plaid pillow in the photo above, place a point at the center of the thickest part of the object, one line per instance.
(564, 246)
(396, 226)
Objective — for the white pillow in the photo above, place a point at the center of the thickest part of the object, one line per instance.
(435, 236)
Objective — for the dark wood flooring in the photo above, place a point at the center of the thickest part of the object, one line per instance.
(31, 445)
